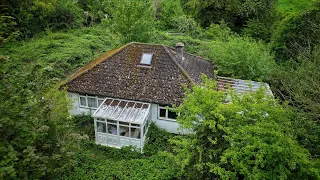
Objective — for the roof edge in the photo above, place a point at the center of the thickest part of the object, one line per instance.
(179, 66)
(94, 63)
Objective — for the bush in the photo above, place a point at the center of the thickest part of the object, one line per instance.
(156, 140)
(297, 33)
(249, 138)
(241, 58)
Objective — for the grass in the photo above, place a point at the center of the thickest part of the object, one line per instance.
(287, 7)
(62, 52)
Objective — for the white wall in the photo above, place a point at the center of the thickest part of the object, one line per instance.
(76, 105)
(168, 125)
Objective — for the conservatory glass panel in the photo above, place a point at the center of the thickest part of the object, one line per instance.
(135, 132)
(112, 129)
(101, 127)
(124, 131)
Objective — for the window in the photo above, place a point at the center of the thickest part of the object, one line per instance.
(101, 127)
(90, 101)
(146, 59)
(83, 101)
(165, 113)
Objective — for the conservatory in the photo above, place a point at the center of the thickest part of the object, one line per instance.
(120, 123)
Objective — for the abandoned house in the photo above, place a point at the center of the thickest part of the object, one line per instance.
(128, 88)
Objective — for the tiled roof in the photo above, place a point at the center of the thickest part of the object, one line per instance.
(117, 74)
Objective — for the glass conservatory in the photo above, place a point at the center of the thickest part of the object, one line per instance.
(120, 123)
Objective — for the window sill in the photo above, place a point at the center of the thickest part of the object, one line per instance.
(84, 107)
(164, 119)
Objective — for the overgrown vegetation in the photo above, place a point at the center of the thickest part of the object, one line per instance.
(44, 41)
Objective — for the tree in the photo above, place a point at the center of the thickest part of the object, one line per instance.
(248, 137)
(297, 81)
(236, 13)
(35, 133)
(297, 33)
(133, 19)
(242, 58)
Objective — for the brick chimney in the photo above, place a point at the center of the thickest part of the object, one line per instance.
(179, 47)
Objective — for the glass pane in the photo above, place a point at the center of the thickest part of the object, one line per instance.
(112, 129)
(162, 113)
(100, 101)
(124, 131)
(100, 119)
(92, 102)
(101, 127)
(112, 121)
(172, 115)
(144, 129)
(135, 133)
(146, 59)
(124, 123)
(137, 125)
(83, 101)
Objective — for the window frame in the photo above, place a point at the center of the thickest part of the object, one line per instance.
(97, 99)
(166, 116)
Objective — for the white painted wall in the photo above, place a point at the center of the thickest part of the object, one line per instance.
(169, 125)
(76, 105)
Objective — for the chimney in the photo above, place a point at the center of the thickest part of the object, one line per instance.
(179, 47)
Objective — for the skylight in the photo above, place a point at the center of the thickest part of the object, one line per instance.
(146, 59)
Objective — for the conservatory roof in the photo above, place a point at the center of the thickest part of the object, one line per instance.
(241, 86)
(123, 110)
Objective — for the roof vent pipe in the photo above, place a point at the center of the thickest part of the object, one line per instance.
(179, 47)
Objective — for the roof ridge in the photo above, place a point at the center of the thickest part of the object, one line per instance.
(92, 64)
(179, 66)
(185, 52)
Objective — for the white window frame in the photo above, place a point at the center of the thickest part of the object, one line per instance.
(86, 97)
(167, 110)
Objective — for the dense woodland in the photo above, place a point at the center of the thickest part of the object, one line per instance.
(275, 41)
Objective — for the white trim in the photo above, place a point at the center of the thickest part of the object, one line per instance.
(165, 118)
(87, 102)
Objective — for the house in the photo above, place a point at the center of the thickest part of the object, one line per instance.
(127, 88)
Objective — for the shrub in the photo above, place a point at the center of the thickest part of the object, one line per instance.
(249, 138)
(297, 33)
(241, 58)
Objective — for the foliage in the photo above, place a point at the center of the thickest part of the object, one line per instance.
(36, 141)
(166, 11)
(287, 7)
(157, 140)
(302, 92)
(249, 137)
(242, 58)
(34, 16)
(60, 53)
(101, 162)
(297, 33)
(133, 19)
(84, 124)
(186, 25)
(236, 13)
